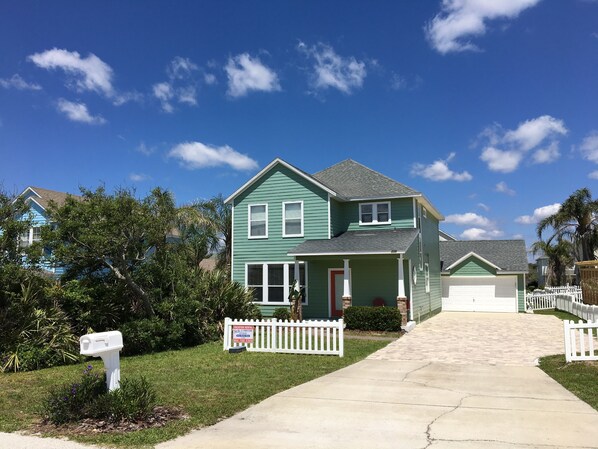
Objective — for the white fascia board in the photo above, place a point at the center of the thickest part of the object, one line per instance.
(267, 168)
(25, 191)
(351, 253)
(510, 272)
(467, 256)
(36, 202)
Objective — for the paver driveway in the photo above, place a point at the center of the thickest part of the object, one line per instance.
(487, 338)
(458, 381)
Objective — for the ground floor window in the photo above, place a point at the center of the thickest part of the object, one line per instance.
(271, 282)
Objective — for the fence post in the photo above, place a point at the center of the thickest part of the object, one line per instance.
(566, 329)
(274, 335)
(341, 340)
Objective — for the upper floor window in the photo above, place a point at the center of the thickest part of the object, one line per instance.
(292, 218)
(258, 221)
(427, 276)
(30, 236)
(374, 213)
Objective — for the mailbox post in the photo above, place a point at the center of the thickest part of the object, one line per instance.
(106, 345)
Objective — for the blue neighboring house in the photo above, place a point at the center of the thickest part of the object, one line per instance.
(39, 200)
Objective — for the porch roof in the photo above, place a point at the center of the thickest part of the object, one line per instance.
(391, 241)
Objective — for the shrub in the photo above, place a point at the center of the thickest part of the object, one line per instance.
(74, 401)
(373, 318)
(282, 313)
(89, 398)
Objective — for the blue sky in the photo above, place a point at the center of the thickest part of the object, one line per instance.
(488, 108)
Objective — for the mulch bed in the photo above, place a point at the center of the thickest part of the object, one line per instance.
(159, 418)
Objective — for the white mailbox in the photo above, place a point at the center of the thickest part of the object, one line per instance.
(106, 345)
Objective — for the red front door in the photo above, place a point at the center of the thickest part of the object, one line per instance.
(336, 293)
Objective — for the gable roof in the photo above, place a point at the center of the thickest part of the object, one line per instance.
(507, 255)
(44, 196)
(267, 168)
(388, 241)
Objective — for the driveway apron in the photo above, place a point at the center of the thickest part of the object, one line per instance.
(457, 381)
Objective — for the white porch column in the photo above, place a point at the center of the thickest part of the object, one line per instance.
(401, 289)
(296, 273)
(346, 283)
(401, 298)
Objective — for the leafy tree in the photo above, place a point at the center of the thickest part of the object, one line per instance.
(576, 220)
(101, 234)
(560, 256)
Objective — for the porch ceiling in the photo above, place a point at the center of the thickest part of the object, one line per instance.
(391, 241)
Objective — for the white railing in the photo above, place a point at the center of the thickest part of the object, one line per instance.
(296, 337)
(581, 342)
(546, 299)
(571, 304)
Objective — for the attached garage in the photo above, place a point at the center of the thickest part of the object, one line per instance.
(483, 276)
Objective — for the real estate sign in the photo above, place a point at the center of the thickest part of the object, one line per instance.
(243, 334)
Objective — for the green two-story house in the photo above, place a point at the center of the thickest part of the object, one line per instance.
(349, 234)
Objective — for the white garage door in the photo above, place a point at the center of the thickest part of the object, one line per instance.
(479, 294)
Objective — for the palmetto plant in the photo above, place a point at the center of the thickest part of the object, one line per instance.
(577, 221)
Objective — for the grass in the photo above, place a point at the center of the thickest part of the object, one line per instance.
(354, 333)
(580, 378)
(206, 382)
(559, 314)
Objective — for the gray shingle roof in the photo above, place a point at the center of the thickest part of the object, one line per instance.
(355, 242)
(509, 255)
(352, 180)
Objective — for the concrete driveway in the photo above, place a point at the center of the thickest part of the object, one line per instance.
(457, 381)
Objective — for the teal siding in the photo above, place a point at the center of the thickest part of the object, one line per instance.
(473, 267)
(275, 187)
(337, 221)
(401, 214)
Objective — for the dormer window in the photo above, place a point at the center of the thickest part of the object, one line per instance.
(374, 213)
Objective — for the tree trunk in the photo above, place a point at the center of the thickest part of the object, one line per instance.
(126, 277)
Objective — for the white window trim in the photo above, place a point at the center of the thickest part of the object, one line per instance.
(375, 214)
(288, 268)
(424, 212)
(284, 218)
(257, 237)
(420, 250)
(30, 240)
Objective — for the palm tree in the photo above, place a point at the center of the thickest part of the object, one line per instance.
(576, 220)
(560, 256)
(216, 218)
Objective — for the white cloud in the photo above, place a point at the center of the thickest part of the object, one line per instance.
(209, 78)
(501, 161)
(194, 155)
(469, 219)
(90, 73)
(247, 74)
(505, 150)
(144, 149)
(16, 82)
(483, 206)
(546, 155)
(331, 70)
(78, 112)
(593, 175)
(138, 177)
(539, 214)
(589, 147)
(533, 132)
(460, 19)
(181, 86)
(502, 187)
(518, 237)
(440, 171)
(480, 234)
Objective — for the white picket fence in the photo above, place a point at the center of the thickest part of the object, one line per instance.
(294, 337)
(546, 299)
(581, 340)
(571, 304)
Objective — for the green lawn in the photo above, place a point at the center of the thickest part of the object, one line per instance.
(580, 378)
(559, 314)
(206, 382)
